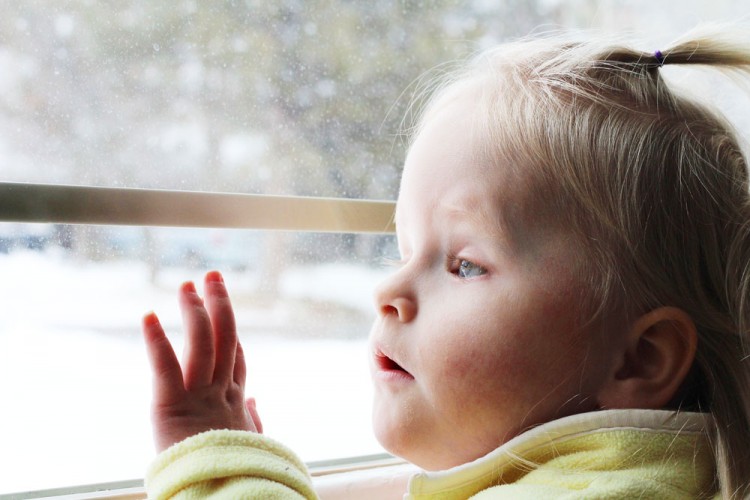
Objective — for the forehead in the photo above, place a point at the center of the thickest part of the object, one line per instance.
(451, 171)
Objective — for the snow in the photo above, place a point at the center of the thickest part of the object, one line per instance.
(75, 382)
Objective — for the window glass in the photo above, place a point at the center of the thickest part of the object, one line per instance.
(76, 383)
(283, 97)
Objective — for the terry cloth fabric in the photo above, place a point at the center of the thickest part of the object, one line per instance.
(645, 454)
(228, 464)
(614, 454)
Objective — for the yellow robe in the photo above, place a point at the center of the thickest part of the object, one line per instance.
(607, 454)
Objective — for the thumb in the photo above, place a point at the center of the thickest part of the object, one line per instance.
(253, 411)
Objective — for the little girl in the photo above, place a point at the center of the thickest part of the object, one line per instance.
(570, 313)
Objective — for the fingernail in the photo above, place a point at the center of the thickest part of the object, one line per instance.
(189, 287)
(150, 319)
(214, 276)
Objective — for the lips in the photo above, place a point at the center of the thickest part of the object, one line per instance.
(389, 367)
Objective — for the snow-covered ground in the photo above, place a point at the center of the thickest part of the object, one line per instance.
(75, 384)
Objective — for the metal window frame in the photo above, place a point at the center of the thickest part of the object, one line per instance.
(134, 489)
(63, 204)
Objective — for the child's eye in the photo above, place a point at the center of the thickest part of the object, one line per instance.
(467, 269)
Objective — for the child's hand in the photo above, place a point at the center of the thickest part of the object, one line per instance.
(209, 392)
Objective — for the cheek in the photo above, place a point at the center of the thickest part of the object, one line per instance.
(476, 365)
(536, 348)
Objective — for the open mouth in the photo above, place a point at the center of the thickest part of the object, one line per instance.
(387, 364)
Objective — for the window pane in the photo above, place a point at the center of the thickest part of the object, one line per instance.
(283, 97)
(77, 386)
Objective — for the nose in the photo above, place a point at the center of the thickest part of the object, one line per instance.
(395, 297)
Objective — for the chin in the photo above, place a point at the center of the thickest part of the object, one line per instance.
(383, 433)
(400, 442)
(392, 436)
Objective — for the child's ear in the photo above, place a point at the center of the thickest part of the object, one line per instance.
(657, 355)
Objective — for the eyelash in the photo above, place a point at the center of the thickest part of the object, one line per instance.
(455, 264)
(458, 267)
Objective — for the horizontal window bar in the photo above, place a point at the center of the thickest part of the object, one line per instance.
(133, 489)
(61, 204)
(340, 465)
(119, 490)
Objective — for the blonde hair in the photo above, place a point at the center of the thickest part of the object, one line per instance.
(654, 185)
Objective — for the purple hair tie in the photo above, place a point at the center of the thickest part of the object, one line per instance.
(659, 58)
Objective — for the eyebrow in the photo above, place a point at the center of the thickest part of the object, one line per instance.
(498, 224)
(495, 223)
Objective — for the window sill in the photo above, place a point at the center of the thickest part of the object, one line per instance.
(375, 478)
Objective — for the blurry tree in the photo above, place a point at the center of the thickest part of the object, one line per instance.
(283, 97)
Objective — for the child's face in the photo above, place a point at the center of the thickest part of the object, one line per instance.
(478, 334)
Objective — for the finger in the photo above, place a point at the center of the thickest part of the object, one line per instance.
(254, 415)
(164, 363)
(222, 321)
(199, 344)
(240, 371)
